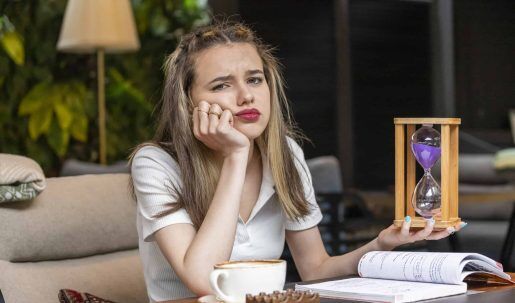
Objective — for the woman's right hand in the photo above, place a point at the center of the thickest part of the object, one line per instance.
(215, 128)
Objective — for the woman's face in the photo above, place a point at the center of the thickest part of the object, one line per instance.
(232, 76)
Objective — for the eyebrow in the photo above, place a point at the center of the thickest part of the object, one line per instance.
(229, 77)
(254, 71)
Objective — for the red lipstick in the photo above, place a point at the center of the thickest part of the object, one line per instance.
(249, 115)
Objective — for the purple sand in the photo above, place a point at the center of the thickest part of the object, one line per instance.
(426, 155)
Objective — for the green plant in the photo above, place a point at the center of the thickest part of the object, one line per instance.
(48, 99)
(57, 110)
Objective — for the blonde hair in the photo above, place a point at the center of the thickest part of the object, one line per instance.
(199, 172)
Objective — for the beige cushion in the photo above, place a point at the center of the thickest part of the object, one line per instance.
(73, 217)
(116, 276)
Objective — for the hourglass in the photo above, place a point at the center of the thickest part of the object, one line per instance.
(426, 145)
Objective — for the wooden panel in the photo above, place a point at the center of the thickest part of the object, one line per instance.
(454, 171)
(426, 120)
(410, 171)
(445, 184)
(400, 198)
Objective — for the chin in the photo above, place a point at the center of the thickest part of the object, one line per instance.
(252, 132)
(252, 135)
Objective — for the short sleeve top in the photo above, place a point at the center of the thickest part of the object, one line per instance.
(155, 173)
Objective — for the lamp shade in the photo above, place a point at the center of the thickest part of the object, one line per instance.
(90, 25)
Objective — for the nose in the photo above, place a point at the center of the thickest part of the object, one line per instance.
(245, 96)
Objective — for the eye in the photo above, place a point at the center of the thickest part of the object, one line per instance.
(220, 87)
(255, 80)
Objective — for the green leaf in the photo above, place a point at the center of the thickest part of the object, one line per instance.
(39, 122)
(58, 139)
(64, 114)
(79, 128)
(190, 5)
(119, 86)
(36, 98)
(13, 46)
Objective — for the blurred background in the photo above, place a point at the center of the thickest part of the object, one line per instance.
(351, 66)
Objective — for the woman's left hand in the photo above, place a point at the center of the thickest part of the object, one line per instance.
(392, 236)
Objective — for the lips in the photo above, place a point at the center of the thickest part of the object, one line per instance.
(250, 115)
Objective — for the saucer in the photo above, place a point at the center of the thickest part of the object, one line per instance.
(209, 299)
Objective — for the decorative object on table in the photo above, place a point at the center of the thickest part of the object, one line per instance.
(425, 147)
(288, 296)
(21, 178)
(98, 26)
(73, 296)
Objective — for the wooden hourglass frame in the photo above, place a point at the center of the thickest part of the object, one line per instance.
(405, 174)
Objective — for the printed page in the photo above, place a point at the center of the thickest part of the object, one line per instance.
(413, 266)
(382, 290)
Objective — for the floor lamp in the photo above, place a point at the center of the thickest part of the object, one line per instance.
(99, 26)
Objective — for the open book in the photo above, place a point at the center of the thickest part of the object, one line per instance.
(395, 276)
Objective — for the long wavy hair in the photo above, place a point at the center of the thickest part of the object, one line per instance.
(199, 172)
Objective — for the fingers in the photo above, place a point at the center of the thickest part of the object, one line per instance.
(446, 232)
(226, 121)
(405, 226)
(196, 123)
(461, 226)
(428, 229)
(207, 119)
(203, 110)
(437, 235)
(214, 112)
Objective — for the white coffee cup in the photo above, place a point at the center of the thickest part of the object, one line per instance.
(233, 280)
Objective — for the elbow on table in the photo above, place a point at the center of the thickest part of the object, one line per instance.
(199, 288)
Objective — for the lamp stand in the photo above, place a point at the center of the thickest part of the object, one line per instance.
(101, 106)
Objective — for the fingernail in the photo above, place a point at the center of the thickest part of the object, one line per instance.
(451, 230)
(463, 224)
(407, 219)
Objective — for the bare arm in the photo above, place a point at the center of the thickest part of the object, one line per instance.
(312, 260)
(191, 253)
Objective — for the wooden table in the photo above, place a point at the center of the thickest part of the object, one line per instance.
(383, 203)
(476, 293)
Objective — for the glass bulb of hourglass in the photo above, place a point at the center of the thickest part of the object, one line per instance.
(426, 199)
(425, 145)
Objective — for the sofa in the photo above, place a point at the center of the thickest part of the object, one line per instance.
(79, 233)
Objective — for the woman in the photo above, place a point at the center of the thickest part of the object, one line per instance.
(224, 178)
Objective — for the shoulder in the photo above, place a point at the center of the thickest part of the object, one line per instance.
(295, 147)
(151, 158)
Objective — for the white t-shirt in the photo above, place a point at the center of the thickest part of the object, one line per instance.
(261, 237)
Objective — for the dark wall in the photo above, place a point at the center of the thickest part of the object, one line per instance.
(302, 32)
(485, 62)
(391, 77)
(390, 73)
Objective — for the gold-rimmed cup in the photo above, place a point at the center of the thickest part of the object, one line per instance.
(232, 280)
